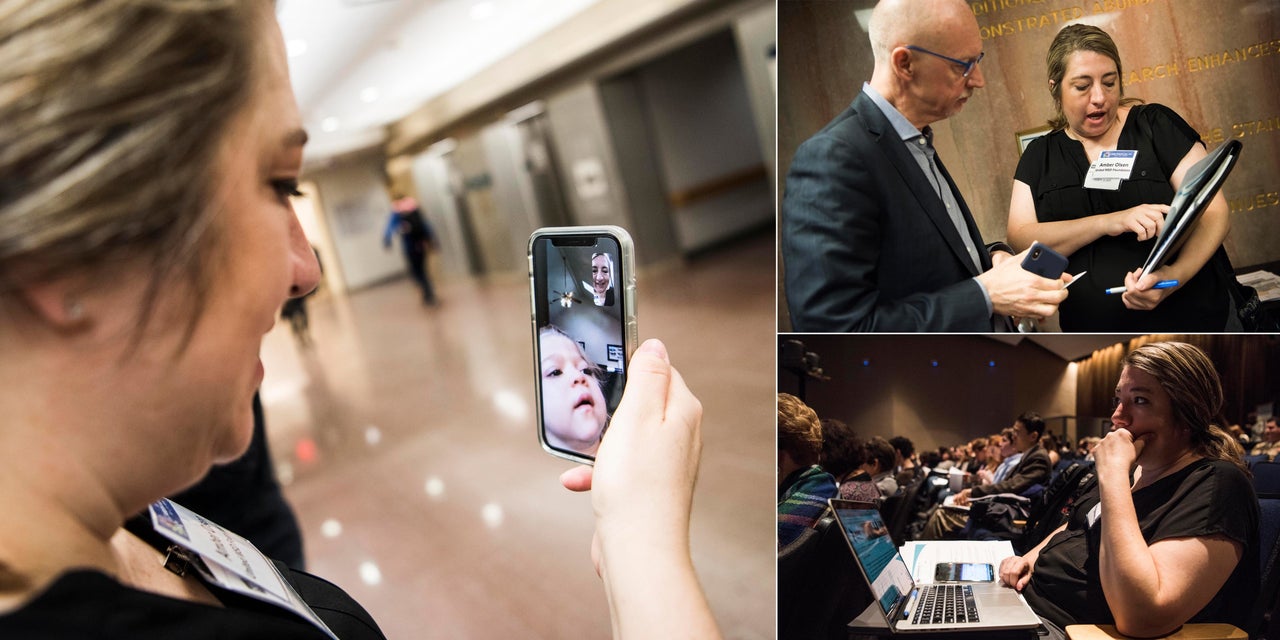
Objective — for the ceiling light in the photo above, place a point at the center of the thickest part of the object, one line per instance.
(481, 10)
(329, 124)
(369, 94)
(295, 47)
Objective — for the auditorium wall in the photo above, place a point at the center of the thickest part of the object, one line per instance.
(1215, 63)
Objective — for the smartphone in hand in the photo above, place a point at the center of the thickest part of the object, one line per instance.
(582, 288)
(1044, 262)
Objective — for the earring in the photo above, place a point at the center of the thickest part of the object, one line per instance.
(74, 310)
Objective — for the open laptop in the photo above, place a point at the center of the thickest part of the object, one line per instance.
(1201, 182)
(905, 607)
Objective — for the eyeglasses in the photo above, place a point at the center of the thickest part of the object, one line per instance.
(968, 65)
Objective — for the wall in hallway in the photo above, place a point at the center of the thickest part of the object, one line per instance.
(705, 134)
(756, 36)
(436, 182)
(513, 199)
(490, 228)
(900, 392)
(646, 195)
(356, 206)
(587, 157)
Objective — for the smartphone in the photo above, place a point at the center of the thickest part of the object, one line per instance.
(963, 572)
(1044, 262)
(582, 286)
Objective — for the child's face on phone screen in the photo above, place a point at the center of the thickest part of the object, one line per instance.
(573, 407)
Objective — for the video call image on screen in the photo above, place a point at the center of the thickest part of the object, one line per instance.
(875, 550)
(580, 316)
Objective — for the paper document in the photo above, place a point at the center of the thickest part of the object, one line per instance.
(922, 556)
(1267, 284)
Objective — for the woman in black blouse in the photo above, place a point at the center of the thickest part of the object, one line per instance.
(147, 242)
(1167, 532)
(1109, 233)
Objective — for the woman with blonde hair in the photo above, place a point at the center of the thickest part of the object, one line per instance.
(147, 243)
(1110, 232)
(1167, 532)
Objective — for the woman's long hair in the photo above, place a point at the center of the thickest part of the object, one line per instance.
(1195, 390)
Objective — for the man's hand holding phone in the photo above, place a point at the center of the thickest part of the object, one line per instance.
(1020, 293)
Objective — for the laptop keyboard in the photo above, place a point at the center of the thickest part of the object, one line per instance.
(946, 604)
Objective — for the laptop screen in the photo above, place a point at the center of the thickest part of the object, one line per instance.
(869, 538)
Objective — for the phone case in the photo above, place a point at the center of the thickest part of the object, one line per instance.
(1045, 262)
(625, 285)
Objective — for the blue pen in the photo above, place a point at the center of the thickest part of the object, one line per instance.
(1163, 284)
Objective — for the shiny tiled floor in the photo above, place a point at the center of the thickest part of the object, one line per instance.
(404, 437)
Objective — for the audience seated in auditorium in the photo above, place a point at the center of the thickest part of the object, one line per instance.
(908, 465)
(843, 456)
(1033, 468)
(879, 464)
(803, 486)
(1270, 443)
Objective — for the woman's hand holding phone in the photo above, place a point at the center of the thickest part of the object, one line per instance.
(642, 492)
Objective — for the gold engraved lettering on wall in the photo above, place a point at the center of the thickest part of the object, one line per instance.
(1030, 23)
(1044, 20)
(988, 7)
(1254, 202)
(1216, 59)
(1212, 136)
(1107, 6)
(1147, 74)
(1242, 129)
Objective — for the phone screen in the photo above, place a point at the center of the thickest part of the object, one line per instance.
(963, 572)
(580, 322)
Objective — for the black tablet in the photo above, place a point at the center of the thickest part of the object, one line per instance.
(1201, 183)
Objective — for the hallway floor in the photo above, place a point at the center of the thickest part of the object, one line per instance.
(405, 439)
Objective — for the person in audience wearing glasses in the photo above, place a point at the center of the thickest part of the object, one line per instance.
(1110, 230)
(1167, 531)
(1033, 468)
(875, 234)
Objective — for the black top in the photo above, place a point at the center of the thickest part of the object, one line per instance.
(244, 497)
(1207, 497)
(1054, 166)
(87, 603)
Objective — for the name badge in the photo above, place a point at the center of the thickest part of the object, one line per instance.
(1110, 169)
(1094, 514)
(228, 560)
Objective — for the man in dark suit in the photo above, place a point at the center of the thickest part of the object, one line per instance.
(875, 235)
(1034, 468)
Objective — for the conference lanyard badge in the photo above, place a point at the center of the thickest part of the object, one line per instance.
(1110, 169)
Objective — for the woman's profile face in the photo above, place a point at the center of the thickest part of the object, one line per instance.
(573, 407)
(600, 274)
(1144, 408)
(259, 255)
(1090, 93)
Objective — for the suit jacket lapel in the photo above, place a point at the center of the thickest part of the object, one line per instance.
(920, 187)
(983, 257)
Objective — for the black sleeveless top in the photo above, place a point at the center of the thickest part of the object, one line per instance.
(1054, 166)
